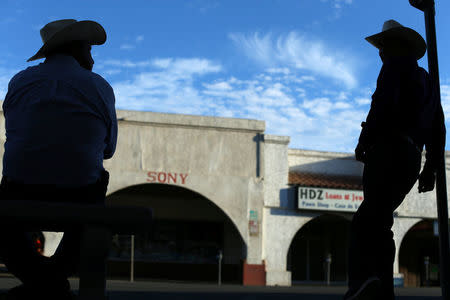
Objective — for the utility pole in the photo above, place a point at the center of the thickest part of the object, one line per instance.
(428, 7)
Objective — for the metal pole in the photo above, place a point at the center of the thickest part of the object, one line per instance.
(328, 261)
(307, 260)
(132, 259)
(426, 262)
(219, 277)
(427, 6)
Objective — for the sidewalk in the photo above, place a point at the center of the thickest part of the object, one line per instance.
(124, 290)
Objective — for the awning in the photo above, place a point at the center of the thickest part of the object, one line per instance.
(326, 180)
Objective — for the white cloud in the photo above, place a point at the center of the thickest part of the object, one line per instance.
(127, 47)
(220, 86)
(285, 71)
(125, 63)
(198, 86)
(342, 105)
(363, 101)
(298, 52)
(319, 106)
(445, 100)
(188, 66)
(112, 71)
(132, 45)
(259, 48)
(338, 7)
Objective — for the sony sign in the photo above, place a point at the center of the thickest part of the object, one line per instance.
(329, 199)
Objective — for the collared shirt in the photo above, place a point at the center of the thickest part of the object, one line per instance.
(405, 104)
(60, 124)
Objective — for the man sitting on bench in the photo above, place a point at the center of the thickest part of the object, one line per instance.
(60, 125)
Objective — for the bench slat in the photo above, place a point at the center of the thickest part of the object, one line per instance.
(49, 216)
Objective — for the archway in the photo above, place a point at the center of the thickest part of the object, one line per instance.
(318, 239)
(419, 255)
(189, 231)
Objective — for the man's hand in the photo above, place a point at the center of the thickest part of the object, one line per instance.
(360, 153)
(426, 180)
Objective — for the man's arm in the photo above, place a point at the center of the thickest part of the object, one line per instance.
(435, 151)
(111, 139)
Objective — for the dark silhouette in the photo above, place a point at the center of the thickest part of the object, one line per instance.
(60, 125)
(405, 116)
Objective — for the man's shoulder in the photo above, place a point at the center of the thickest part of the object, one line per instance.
(99, 81)
(23, 74)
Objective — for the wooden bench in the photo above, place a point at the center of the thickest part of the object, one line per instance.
(98, 222)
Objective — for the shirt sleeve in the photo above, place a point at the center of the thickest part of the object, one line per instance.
(436, 144)
(111, 139)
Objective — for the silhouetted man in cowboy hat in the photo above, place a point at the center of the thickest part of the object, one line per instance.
(405, 116)
(60, 126)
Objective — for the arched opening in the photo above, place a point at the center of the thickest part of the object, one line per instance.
(419, 255)
(323, 237)
(188, 233)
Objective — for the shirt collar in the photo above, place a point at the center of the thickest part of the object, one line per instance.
(62, 59)
(401, 60)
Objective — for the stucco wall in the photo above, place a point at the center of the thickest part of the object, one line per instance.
(219, 158)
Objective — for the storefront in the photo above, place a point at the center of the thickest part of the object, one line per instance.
(224, 191)
(323, 192)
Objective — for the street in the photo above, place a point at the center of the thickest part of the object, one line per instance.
(140, 290)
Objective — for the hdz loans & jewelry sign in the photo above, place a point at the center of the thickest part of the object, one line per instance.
(329, 199)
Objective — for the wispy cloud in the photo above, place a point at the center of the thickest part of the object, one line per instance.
(133, 44)
(203, 5)
(124, 63)
(337, 6)
(200, 86)
(445, 100)
(127, 47)
(299, 52)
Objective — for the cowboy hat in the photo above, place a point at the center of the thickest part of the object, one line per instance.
(392, 30)
(60, 32)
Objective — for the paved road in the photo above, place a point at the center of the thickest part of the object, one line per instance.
(123, 290)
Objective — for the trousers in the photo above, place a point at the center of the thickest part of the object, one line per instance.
(17, 250)
(390, 171)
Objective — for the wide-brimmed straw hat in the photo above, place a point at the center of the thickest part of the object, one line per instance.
(392, 30)
(60, 32)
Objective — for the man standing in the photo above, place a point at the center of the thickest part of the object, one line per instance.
(60, 126)
(405, 116)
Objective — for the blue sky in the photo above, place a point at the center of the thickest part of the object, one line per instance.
(303, 66)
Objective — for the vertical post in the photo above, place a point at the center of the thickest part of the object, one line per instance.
(426, 262)
(132, 259)
(95, 244)
(307, 261)
(441, 182)
(219, 277)
(328, 261)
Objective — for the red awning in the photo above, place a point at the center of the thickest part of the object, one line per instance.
(326, 180)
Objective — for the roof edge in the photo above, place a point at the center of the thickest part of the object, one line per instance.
(185, 120)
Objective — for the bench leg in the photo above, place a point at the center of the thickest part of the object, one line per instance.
(95, 245)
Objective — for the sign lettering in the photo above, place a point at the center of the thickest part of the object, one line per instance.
(329, 199)
(166, 177)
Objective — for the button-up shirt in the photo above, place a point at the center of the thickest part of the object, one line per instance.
(405, 105)
(60, 124)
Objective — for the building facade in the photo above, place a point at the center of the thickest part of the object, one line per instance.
(223, 191)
